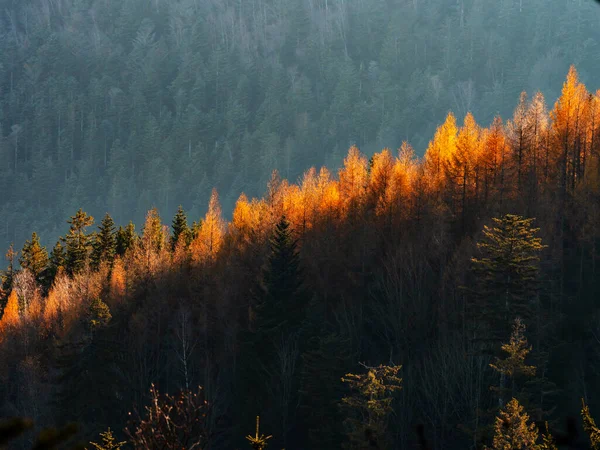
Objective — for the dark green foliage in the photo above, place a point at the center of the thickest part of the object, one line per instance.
(105, 243)
(57, 260)
(125, 239)
(34, 257)
(78, 243)
(180, 228)
(6, 277)
(98, 314)
(282, 300)
(506, 276)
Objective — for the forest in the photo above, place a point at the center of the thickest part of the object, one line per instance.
(122, 105)
(448, 301)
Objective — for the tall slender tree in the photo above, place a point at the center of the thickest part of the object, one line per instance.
(78, 243)
(105, 243)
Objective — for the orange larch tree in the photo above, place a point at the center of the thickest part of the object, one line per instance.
(210, 237)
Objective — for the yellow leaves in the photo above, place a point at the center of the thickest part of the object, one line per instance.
(442, 147)
(209, 239)
(118, 282)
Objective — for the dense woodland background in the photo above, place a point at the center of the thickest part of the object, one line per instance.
(123, 105)
(394, 260)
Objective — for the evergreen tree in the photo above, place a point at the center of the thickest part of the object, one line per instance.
(98, 314)
(589, 425)
(512, 430)
(78, 243)
(125, 239)
(506, 274)
(108, 442)
(369, 407)
(282, 297)
(513, 364)
(35, 258)
(180, 228)
(6, 276)
(105, 243)
(57, 259)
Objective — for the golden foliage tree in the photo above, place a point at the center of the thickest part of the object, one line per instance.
(210, 237)
(512, 430)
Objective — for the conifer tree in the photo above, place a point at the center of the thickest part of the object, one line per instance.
(6, 276)
(282, 299)
(512, 430)
(105, 243)
(10, 315)
(108, 442)
(370, 405)
(98, 314)
(35, 258)
(507, 274)
(78, 243)
(57, 259)
(125, 239)
(589, 425)
(513, 364)
(180, 228)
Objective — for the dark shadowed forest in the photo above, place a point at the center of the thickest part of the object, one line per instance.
(454, 294)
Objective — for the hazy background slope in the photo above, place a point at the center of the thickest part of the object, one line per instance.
(121, 105)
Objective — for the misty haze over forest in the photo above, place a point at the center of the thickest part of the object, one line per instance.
(123, 105)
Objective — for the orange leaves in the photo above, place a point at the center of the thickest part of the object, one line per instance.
(353, 178)
(118, 282)
(10, 316)
(210, 237)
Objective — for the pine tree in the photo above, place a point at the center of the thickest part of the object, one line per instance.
(513, 365)
(370, 405)
(125, 239)
(506, 274)
(180, 228)
(35, 258)
(105, 243)
(78, 244)
(108, 442)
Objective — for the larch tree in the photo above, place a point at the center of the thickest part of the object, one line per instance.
(11, 315)
(209, 238)
(353, 178)
(590, 427)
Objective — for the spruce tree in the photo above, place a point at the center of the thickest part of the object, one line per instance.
(6, 276)
(370, 405)
(125, 238)
(513, 364)
(35, 258)
(282, 298)
(506, 275)
(180, 228)
(57, 259)
(78, 243)
(105, 243)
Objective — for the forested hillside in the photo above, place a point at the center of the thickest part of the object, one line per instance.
(124, 105)
(345, 309)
